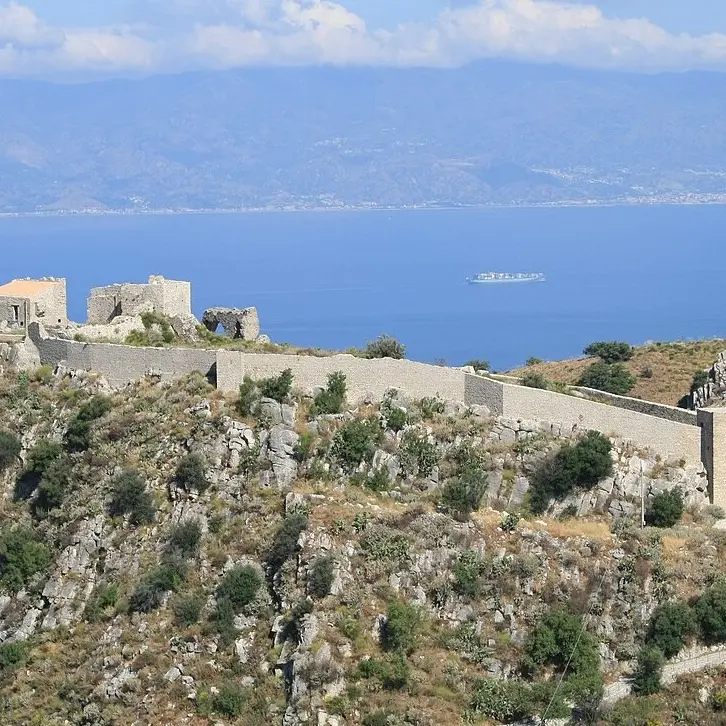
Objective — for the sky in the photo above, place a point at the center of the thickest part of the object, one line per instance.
(63, 38)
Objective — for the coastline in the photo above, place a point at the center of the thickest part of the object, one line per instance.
(571, 204)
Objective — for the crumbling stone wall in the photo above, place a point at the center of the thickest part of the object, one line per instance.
(25, 301)
(239, 324)
(167, 297)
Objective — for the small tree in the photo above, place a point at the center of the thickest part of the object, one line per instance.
(610, 351)
(277, 387)
(700, 379)
(331, 399)
(130, 497)
(534, 380)
(710, 612)
(185, 537)
(401, 630)
(239, 588)
(229, 701)
(355, 443)
(40, 457)
(187, 610)
(248, 397)
(54, 485)
(582, 465)
(649, 671)
(321, 577)
(21, 557)
(608, 377)
(666, 509)
(670, 625)
(478, 365)
(385, 347)
(464, 494)
(78, 434)
(284, 544)
(190, 474)
(10, 448)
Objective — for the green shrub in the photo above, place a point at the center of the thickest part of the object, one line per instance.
(700, 379)
(559, 641)
(191, 474)
(431, 407)
(649, 671)
(478, 365)
(534, 380)
(248, 397)
(12, 655)
(165, 577)
(105, 597)
(670, 624)
(284, 543)
(608, 377)
(332, 398)
(277, 387)
(610, 351)
(229, 701)
(54, 485)
(378, 481)
(385, 347)
(464, 494)
(40, 457)
(504, 701)
(239, 587)
(646, 372)
(533, 361)
(666, 509)
(21, 557)
(393, 673)
(468, 572)
(321, 577)
(188, 609)
(130, 497)
(10, 448)
(377, 718)
(583, 464)
(78, 434)
(401, 629)
(509, 522)
(354, 443)
(710, 612)
(393, 416)
(185, 537)
(418, 455)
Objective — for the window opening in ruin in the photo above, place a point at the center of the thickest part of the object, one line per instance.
(16, 313)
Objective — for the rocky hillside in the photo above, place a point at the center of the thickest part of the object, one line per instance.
(172, 556)
(663, 372)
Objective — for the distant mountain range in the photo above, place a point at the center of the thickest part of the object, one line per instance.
(488, 133)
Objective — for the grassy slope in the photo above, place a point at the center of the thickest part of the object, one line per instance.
(672, 364)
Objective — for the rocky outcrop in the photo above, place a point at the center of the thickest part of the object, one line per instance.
(68, 589)
(713, 391)
(240, 324)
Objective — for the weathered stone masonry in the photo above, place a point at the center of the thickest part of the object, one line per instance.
(672, 433)
(168, 297)
(25, 301)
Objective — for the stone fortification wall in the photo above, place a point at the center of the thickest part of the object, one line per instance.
(120, 364)
(169, 297)
(672, 433)
(363, 376)
(665, 430)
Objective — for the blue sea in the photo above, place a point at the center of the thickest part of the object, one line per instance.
(339, 279)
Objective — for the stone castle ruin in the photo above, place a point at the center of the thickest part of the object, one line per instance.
(166, 297)
(26, 301)
(696, 438)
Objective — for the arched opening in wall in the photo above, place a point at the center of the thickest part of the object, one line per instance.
(117, 309)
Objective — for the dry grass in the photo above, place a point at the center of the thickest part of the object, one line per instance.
(672, 364)
(575, 527)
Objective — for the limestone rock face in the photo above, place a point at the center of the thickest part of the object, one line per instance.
(240, 324)
(70, 586)
(280, 451)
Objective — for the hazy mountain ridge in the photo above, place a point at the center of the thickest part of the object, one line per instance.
(307, 137)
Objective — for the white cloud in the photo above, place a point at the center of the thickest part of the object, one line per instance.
(180, 34)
